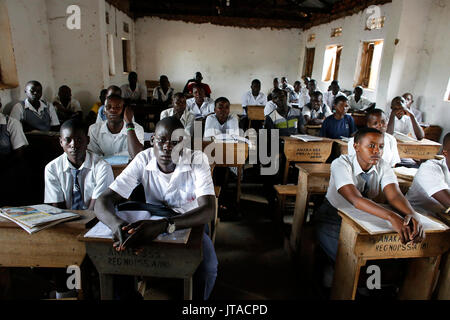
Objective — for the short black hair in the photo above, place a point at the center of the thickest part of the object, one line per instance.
(35, 82)
(163, 77)
(339, 99)
(334, 82)
(397, 101)
(114, 96)
(297, 82)
(179, 95)
(74, 125)
(256, 81)
(171, 123)
(361, 133)
(198, 87)
(277, 91)
(114, 88)
(221, 99)
(374, 112)
(317, 94)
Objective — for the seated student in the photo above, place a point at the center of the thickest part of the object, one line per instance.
(92, 115)
(276, 85)
(186, 187)
(304, 89)
(254, 97)
(197, 81)
(118, 135)
(78, 177)
(221, 122)
(409, 102)
(112, 90)
(357, 102)
(67, 107)
(34, 113)
(312, 87)
(430, 190)
(270, 106)
(377, 120)
(180, 111)
(357, 179)
(332, 94)
(297, 97)
(316, 111)
(133, 92)
(339, 124)
(403, 120)
(200, 105)
(163, 94)
(285, 85)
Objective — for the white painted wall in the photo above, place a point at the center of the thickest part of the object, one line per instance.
(228, 57)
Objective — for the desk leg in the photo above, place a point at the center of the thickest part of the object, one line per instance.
(420, 279)
(299, 211)
(347, 267)
(286, 172)
(444, 279)
(238, 185)
(188, 288)
(106, 287)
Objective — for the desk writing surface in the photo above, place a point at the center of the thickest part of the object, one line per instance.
(423, 150)
(255, 112)
(300, 151)
(229, 154)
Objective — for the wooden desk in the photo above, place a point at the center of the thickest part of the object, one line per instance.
(360, 119)
(421, 150)
(158, 259)
(443, 287)
(313, 129)
(296, 150)
(255, 113)
(357, 246)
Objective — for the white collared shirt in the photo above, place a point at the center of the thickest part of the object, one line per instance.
(433, 176)
(74, 105)
(139, 93)
(297, 99)
(200, 111)
(270, 106)
(328, 98)
(17, 111)
(105, 144)
(346, 170)
(190, 180)
(313, 114)
(187, 119)
(390, 151)
(94, 177)
(15, 131)
(405, 126)
(248, 99)
(362, 104)
(164, 97)
(214, 128)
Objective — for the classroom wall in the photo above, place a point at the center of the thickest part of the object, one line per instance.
(228, 57)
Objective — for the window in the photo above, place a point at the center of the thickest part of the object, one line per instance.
(375, 23)
(336, 32)
(126, 55)
(126, 27)
(447, 93)
(110, 48)
(331, 63)
(8, 70)
(311, 37)
(107, 17)
(369, 65)
(309, 62)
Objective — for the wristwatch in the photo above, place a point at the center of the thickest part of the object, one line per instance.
(170, 226)
(130, 125)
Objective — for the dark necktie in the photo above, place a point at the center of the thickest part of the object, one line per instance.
(366, 178)
(77, 198)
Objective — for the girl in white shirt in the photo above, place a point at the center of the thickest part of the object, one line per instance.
(221, 122)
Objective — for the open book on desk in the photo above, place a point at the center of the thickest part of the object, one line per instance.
(403, 137)
(231, 138)
(405, 173)
(306, 138)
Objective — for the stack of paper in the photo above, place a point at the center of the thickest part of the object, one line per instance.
(224, 137)
(405, 173)
(306, 138)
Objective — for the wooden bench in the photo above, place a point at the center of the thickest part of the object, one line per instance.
(282, 192)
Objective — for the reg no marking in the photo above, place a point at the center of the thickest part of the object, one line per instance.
(227, 310)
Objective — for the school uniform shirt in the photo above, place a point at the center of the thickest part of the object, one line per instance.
(270, 106)
(101, 115)
(328, 98)
(405, 126)
(73, 106)
(46, 114)
(346, 170)
(105, 144)
(248, 99)
(200, 111)
(296, 98)
(335, 129)
(362, 104)
(178, 190)
(94, 177)
(390, 151)
(433, 176)
(287, 126)
(11, 135)
(158, 94)
(417, 114)
(323, 112)
(187, 119)
(139, 93)
(213, 126)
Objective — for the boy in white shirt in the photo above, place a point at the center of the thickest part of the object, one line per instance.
(315, 112)
(403, 120)
(409, 102)
(357, 102)
(200, 105)
(163, 94)
(78, 177)
(185, 187)
(133, 92)
(354, 181)
(118, 135)
(221, 122)
(430, 190)
(180, 111)
(66, 106)
(377, 120)
(254, 97)
(335, 92)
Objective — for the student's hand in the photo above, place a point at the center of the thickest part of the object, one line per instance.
(417, 232)
(120, 234)
(57, 105)
(128, 114)
(401, 227)
(143, 230)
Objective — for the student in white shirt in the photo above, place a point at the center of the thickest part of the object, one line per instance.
(12, 137)
(329, 96)
(354, 181)
(403, 120)
(297, 97)
(430, 190)
(312, 87)
(285, 85)
(112, 90)
(315, 112)
(221, 122)
(377, 120)
(276, 85)
(133, 92)
(304, 89)
(118, 135)
(200, 105)
(357, 102)
(254, 97)
(93, 174)
(34, 113)
(185, 187)
(163, 94)
(409, 102)
(66, 106)
(180, 111)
